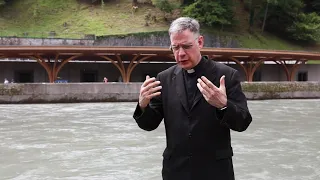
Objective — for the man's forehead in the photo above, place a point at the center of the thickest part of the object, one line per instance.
(181, 37)
(182, 32)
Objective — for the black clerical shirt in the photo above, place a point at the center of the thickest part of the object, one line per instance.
(190, 80)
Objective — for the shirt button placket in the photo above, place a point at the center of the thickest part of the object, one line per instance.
(190, 153)
(189, 137)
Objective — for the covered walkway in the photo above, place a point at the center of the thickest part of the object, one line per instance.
(125, 59)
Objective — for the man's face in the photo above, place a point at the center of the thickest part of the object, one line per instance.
(186, 48)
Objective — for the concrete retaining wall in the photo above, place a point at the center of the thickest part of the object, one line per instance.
(121, 92)
(149, 39)
(281, 90)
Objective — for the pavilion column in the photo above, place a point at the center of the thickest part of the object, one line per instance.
(253, 68)
(58, 66)
(132, 65)
(249, 67)
(294, 69)
(242, 67)
(125, 72)
(52, 69)
(45, 65)
(290, 71)
(118, 63)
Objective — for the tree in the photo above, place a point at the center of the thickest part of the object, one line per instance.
(186, 2)
(93, 1)
(281, 15)
(164, 5)
(253, 5)
(4, 2)
(274, 2)
(316, 5)
(306, 27)
(258, 6)
(211, 12)
(134, 2)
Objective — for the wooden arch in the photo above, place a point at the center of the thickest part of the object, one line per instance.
(126, 71)
(250, 67)
(52, 69)
(290, 71)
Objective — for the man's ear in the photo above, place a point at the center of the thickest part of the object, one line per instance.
(200, 41)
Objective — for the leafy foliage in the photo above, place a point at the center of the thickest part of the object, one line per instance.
(287, 17)
(316, 5)
(187, 2)
(165, 5)
(4, 2)
(306, 27)
(210, 12)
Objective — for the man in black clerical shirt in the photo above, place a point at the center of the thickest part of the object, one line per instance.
(200, 101)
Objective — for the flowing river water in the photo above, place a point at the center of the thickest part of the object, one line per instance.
(102, 141)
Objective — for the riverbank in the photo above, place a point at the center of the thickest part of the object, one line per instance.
(129, 92)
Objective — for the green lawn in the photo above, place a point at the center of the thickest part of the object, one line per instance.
(313, 62)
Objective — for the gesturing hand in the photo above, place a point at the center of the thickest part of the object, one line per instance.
(213, 95)
(148, 90)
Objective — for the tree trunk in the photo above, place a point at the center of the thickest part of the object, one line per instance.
(134, 2)
(251, 16)
(265, 16)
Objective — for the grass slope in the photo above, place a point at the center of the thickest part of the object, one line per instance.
(266, 41)
(71, 19)
(38, 17)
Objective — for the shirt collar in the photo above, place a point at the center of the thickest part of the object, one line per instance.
(198, 68)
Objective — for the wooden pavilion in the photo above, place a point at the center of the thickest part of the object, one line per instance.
(125, 59)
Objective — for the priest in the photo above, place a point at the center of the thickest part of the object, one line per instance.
(200, 101)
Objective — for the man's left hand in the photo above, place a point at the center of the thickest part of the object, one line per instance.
(212, 94)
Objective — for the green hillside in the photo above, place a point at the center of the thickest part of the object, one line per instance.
(68, 18)
(75, 19)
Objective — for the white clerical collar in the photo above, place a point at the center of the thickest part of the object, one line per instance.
(190, 71)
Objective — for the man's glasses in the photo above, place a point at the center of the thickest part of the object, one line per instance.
(183, 46)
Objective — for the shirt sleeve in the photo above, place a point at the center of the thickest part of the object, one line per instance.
(236, 115)
(149, 118)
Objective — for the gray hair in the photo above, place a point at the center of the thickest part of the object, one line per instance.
(185, 23)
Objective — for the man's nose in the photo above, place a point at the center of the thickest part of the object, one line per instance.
(181, 51)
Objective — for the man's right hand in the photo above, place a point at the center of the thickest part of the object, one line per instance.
(149, 89)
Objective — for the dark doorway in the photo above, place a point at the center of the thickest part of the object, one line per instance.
(302, 76)
(257, 76)
(88, 76)
(23, 77)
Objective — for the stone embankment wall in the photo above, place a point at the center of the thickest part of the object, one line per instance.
(152, 39)
(281, 90)
(122, 92)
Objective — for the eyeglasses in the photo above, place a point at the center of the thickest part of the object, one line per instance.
(183, 46)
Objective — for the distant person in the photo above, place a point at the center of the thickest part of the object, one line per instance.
(105, 80)
(120, 79)
(201, 101)
(6, 81)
